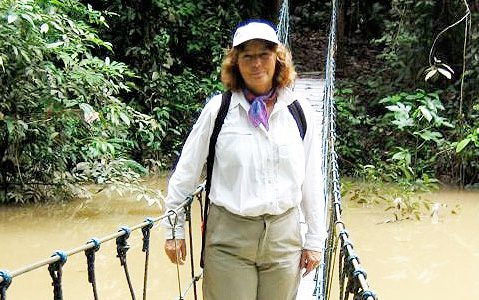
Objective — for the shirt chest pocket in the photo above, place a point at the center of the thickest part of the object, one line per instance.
(234, 141)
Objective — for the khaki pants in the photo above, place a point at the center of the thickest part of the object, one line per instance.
(252, 258)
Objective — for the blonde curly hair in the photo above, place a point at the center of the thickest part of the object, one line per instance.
(284, 74)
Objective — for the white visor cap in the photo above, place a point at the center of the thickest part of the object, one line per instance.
(255, 30)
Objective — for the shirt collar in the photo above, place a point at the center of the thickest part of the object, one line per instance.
(285, 98)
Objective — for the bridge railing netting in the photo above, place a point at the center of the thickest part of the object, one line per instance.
(59, 258)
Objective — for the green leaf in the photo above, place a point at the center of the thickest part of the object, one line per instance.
(404, 122)
(125, 118)
(430, 135)
(44, 28)
(29, 19)
(1, 63)
(445, 72)
(462, 144)
(11, 18)
(54, 45)
(430, 74)
(86, 108)
(426, 113)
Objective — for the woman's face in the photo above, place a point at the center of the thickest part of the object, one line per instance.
(256, 64)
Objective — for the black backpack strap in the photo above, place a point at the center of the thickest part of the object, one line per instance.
(220, 118)
(298, 114)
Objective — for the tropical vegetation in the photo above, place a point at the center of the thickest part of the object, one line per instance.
(106, 91)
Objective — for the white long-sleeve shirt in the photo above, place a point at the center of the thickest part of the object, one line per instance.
(255, 171)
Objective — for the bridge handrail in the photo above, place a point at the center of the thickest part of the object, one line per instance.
(91, 244)
(330, 168)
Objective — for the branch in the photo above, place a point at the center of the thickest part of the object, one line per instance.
(468, 13)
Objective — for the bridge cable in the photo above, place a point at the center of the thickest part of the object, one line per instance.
(121, 248)
(55, 270)
(173, 220)
(90, 256)
(6, 277)
(283, 24)
(190, 234)
(145, 230)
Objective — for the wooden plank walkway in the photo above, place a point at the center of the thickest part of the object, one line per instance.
(311, 89)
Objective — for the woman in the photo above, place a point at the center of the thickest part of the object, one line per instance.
(263, 170)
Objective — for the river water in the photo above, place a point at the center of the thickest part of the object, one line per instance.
(420, 259)
(404, 260)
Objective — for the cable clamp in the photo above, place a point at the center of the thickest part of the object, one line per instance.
(96, 244)
(7, 279)
(358, 272)
(368, 293)
(146, 234)
(62, 255)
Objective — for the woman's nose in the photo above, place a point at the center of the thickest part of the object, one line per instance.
(256, 60)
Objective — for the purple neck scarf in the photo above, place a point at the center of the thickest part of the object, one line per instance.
(257, 113)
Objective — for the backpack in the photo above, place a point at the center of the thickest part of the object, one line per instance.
(298, 115)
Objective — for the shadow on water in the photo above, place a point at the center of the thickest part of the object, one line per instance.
(404, 260)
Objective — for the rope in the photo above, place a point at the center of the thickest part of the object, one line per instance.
(121, 248)
(61, 257)
(90, 256)
(7, 280)
(173, 219)
(146, 248)
(192, 260)
(55, 270)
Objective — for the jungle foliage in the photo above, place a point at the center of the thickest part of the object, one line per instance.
(61, 116)
(104, 91)
(413, 100)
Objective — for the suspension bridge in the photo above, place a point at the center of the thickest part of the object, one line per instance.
(352, 276)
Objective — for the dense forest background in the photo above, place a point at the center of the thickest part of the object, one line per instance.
(106, 91)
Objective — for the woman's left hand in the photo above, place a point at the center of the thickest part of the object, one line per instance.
(309, 260)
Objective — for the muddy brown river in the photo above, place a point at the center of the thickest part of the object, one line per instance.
(404, 260)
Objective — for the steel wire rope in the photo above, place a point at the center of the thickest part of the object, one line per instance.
(331, 170)
(327, 140)
(173, 223)
(283, 24)
(192, 260)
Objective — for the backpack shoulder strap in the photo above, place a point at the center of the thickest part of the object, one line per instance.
(298, 114)
(220, 118)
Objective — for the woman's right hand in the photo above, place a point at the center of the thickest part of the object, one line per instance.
(172, 248)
